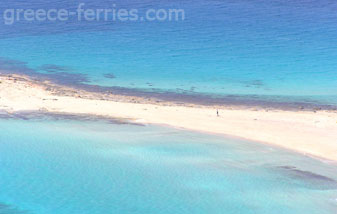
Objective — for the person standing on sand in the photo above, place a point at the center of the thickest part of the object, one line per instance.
(217, 113)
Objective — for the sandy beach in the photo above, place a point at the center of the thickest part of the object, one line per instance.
(311, 133)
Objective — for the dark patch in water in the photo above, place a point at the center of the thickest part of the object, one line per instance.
(53, 68)
(14, 66)
(254, 83)
(80, 81)
(7, 209)
(66, 78)
(4, 115)
(313, 180)
(109, 76)
(58, 76)
(37, 115)
(149, 84)
(192, 89)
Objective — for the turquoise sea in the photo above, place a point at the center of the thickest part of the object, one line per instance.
(278, 53)
(51, 166)
(272, 49)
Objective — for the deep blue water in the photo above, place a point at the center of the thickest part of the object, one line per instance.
(71, 167)
(285, 50)
(260, 47)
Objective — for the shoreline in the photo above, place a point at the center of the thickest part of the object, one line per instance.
(311, 133)
(70, 83)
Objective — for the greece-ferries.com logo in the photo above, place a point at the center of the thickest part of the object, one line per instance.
(81, 13)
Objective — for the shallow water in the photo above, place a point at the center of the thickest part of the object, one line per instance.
(66, 166)
(283, 50)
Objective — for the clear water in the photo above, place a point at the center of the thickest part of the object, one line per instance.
(263, 47)
(49, 166)
(245, 47)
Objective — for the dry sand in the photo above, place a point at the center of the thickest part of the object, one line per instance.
(308, 132)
